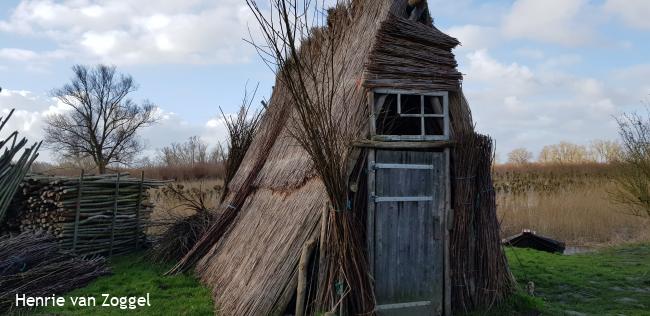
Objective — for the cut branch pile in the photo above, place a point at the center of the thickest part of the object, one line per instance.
(12, 171)
(180, 232)
(32, 264)
(89, 215)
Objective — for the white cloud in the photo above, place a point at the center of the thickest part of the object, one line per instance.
(553, 21)
(531, 106)
(484, 68)
(127, 32)
(635, 13)
(28, 117)
(474, 36)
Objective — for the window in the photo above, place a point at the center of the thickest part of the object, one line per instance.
(410, 116)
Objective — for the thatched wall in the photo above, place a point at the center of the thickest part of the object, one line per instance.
(252, 267)
(256, 260)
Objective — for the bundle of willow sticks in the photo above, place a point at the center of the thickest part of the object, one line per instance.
(13, 165)
(32, 264)
(103, 214)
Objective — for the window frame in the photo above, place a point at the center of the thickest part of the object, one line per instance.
(422, 137)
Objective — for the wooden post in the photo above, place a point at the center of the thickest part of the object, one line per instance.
(446, 251)
(370, 221)
(137, 212)
(303, 266)
(78, 210)
(117, 194)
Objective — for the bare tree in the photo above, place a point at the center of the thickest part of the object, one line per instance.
(605, 151)
(563, 153)
(519, 156)
(633, 177)
(191, 152)
(104, 122)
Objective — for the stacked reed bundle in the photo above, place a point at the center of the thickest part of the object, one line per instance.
(412, 55)
(12, 171)
(89, 215)
(32, 264)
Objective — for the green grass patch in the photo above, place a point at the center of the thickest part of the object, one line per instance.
(135, 276)
(614, 281)
(517, 304)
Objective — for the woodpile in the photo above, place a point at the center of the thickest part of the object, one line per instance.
(90, 215)
(32, 264)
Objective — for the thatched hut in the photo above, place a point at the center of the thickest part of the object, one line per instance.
(420, 193)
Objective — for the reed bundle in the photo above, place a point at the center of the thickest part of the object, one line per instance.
(90, 214)
(12, 171)
(309, 57)
(32, 264)
(479, 271)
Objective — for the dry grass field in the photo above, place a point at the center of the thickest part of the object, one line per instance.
(569, 203)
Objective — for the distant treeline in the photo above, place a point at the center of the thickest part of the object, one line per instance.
(601, 151)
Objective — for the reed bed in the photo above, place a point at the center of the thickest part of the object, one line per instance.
(32, 264)
(567, 202)
(103, 214)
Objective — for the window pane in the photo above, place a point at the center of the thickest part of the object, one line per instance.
(408, 126)
(391, 123)
(434, 126)
(411, 104)
(433, 105)
(387, 113)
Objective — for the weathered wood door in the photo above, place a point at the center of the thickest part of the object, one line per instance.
(407, 230)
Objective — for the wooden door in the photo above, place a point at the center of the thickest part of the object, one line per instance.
(406, 230)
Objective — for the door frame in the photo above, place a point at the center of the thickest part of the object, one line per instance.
(446, 223)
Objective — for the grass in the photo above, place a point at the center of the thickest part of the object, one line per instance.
(134, 276)
(613, 281)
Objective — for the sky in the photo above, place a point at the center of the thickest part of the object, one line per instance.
(536, 72)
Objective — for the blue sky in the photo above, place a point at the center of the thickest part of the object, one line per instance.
(536, 72)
